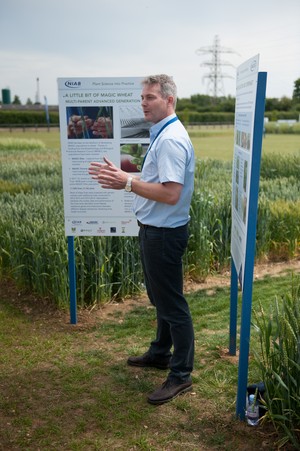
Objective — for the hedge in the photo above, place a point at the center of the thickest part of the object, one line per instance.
(17, 117)
(21, 117)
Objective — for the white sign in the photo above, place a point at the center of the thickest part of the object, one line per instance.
(100, 117)
(246, 88)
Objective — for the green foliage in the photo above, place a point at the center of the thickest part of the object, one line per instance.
(210, 226)
(278, 227)
(206, 109)
(275, 115)
(198, 108)
(12, 144)
(279, 128)
(274, 104)
(205, 103)
(33, 247)
(277, 166)
(189, 117)
(16, 100)
(34, 250)
(279, 363)
(27, 117)
(13, 188)
(284, 228)
(296, 92)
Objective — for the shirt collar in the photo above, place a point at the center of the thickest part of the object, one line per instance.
(156, 127)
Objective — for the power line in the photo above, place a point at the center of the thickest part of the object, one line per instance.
(215, 76)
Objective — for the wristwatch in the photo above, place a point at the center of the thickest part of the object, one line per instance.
(128, 184)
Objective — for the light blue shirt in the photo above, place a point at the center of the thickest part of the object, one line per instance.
(170, 159)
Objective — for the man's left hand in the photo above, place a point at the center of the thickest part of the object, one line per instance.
(108, 175)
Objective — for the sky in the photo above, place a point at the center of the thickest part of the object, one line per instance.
(48, 39)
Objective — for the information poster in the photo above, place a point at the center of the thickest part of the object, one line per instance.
(100, 117)
(246, 89)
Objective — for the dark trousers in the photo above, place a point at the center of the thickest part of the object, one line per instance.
(161, 253)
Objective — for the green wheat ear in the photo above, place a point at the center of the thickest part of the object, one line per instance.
(280, 370)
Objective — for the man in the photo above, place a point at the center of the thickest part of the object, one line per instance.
(161, 205)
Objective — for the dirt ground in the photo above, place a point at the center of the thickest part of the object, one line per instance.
(43, 311)
(43, 308)
(212, 282)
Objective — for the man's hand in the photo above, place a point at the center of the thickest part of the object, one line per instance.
(102, 127)
(77, 125)
(108, 175)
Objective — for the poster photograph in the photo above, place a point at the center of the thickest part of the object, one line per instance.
(100, 117)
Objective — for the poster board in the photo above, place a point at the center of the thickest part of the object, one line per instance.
(246, 91)
(100, 117)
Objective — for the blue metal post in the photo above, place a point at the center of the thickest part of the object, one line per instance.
(233, 309)
(250, 246)
(244, 341)
(72, 280)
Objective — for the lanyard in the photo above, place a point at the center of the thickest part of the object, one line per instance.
(157, 135)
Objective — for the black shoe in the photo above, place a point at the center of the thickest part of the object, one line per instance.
(146, 360)
(168, 391)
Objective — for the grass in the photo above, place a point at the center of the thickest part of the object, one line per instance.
(50, 138)
(68, 387)
(218, 143)
(213, 142)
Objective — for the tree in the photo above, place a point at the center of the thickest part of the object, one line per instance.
(285, 104)
(296, 95)
(16, 101)
(296, 92)
(28, 102)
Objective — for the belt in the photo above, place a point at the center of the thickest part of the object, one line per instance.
(146, 226)
(142, 226)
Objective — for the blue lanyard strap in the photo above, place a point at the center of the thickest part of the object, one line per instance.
(157, 135)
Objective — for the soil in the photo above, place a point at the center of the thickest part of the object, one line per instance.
(48, 313)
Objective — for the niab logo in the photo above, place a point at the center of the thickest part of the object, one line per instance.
(72, 84)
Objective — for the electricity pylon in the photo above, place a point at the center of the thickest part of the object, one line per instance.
(215, 76)
(37, 95)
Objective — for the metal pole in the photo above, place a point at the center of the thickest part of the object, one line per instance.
(72, 280)
(233, 309)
